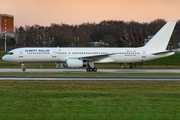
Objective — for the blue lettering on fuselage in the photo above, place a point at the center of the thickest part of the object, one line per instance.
(31, 50)
(43, 50)
(35, 50)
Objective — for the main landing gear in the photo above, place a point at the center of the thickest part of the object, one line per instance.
(91, 67)
(23, 67)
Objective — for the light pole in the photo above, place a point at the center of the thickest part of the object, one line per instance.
(5, 32)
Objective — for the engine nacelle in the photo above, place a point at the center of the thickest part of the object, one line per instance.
(74, 63)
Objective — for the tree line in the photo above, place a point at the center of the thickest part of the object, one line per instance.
(114, 33)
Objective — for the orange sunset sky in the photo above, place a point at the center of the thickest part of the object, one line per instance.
(45, 12)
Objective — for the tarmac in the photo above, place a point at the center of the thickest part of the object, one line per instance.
(98, 71)
(91, 78)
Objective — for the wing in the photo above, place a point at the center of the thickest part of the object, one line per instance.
(94, 57)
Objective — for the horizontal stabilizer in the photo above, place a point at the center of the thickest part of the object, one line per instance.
(164, 52)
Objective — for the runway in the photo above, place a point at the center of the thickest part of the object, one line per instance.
(98, 71)
(91, 78)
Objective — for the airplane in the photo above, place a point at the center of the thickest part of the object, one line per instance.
(87, 56)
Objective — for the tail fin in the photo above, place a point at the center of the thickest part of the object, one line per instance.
(161, 39)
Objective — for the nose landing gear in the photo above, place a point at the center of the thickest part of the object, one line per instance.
(23, 67)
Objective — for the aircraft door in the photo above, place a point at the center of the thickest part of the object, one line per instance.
(54, 54)
(143, 53)
(20, 53)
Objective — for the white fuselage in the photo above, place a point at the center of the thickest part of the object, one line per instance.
(119, 55)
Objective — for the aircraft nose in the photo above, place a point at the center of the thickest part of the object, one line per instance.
(4, 58)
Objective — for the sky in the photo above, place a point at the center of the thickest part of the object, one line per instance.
(75, 12)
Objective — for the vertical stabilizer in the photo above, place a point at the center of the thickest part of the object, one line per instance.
(161, 39)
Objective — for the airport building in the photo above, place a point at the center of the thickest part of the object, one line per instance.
(7, 22)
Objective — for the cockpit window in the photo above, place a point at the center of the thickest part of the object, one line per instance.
(10, 53)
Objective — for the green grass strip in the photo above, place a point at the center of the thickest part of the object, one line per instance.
(89, 100)
(94, 74)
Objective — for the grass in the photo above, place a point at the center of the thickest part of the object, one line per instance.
(89, 100)
(93, 74)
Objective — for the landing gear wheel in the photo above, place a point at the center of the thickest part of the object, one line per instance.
(87, 69)
(23, 69)
(91, 69)
(95, 69)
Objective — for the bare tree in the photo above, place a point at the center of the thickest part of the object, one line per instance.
(38, 36)
(21, 36)
(131, 35)
(109, 39)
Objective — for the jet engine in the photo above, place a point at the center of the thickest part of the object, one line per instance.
(74, 63)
